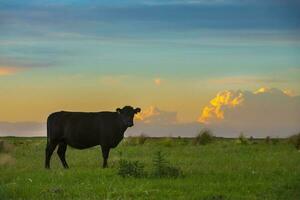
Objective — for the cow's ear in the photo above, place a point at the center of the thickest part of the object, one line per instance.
(137, 110)
(118, 110)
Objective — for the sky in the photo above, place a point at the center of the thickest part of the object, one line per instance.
(169, 57)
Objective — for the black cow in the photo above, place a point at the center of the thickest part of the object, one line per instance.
(83, 130)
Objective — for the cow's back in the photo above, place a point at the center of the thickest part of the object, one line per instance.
(82, 130)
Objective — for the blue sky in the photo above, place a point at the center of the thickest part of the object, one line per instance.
(194, 46)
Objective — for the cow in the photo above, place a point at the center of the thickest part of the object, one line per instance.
(83, 130)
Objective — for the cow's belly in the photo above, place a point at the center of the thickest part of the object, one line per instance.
(77, 145)
(82, 140)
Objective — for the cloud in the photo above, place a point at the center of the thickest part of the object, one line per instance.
(155, 122)
(22, 129)
(157, 81)
(223, 99)
(154, 115)
(4, 71)
(14, 63)
(289, 92)
(266, 111)
(151, 121)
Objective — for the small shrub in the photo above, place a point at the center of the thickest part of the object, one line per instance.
(295, 140)
(161, 168)
(242, 139)
(251, 139)
(159, 161)
(131, 169)
(141, 139)
(268, 140)
(204, 137)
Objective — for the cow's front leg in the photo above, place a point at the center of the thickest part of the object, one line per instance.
(105, 153)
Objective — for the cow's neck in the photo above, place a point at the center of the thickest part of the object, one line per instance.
(123, 129)
(122, 125)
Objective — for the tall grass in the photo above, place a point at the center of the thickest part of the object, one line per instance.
(5, 150)
(5, 147)
(218, 171)
(1, 146)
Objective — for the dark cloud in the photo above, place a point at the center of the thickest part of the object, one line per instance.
(24, 62)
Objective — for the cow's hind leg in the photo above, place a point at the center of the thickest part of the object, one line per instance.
(49, 151)
(62, 154)
(105, 153)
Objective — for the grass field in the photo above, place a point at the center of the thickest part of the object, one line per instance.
(223, 169)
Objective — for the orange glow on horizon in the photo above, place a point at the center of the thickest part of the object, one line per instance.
(4, 71)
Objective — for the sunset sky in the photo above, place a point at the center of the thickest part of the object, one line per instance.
(165, 56)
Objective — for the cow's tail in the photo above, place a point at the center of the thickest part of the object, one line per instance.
(48, 131)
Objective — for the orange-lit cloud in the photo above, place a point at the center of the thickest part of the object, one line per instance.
(157, 81)
(266, 111)
(262, 90)
(230, 99)
(4, 70)
(153, 115)
(151, 111)
(215, 109)
(289, 92)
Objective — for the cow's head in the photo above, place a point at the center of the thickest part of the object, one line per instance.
(127, 113)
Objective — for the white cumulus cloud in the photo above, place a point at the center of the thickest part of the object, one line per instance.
(267, 111)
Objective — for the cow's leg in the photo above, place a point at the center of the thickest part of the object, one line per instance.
(62, 154)
(49, 151)
(105, 153)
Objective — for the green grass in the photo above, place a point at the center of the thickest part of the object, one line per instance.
(220, 170)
